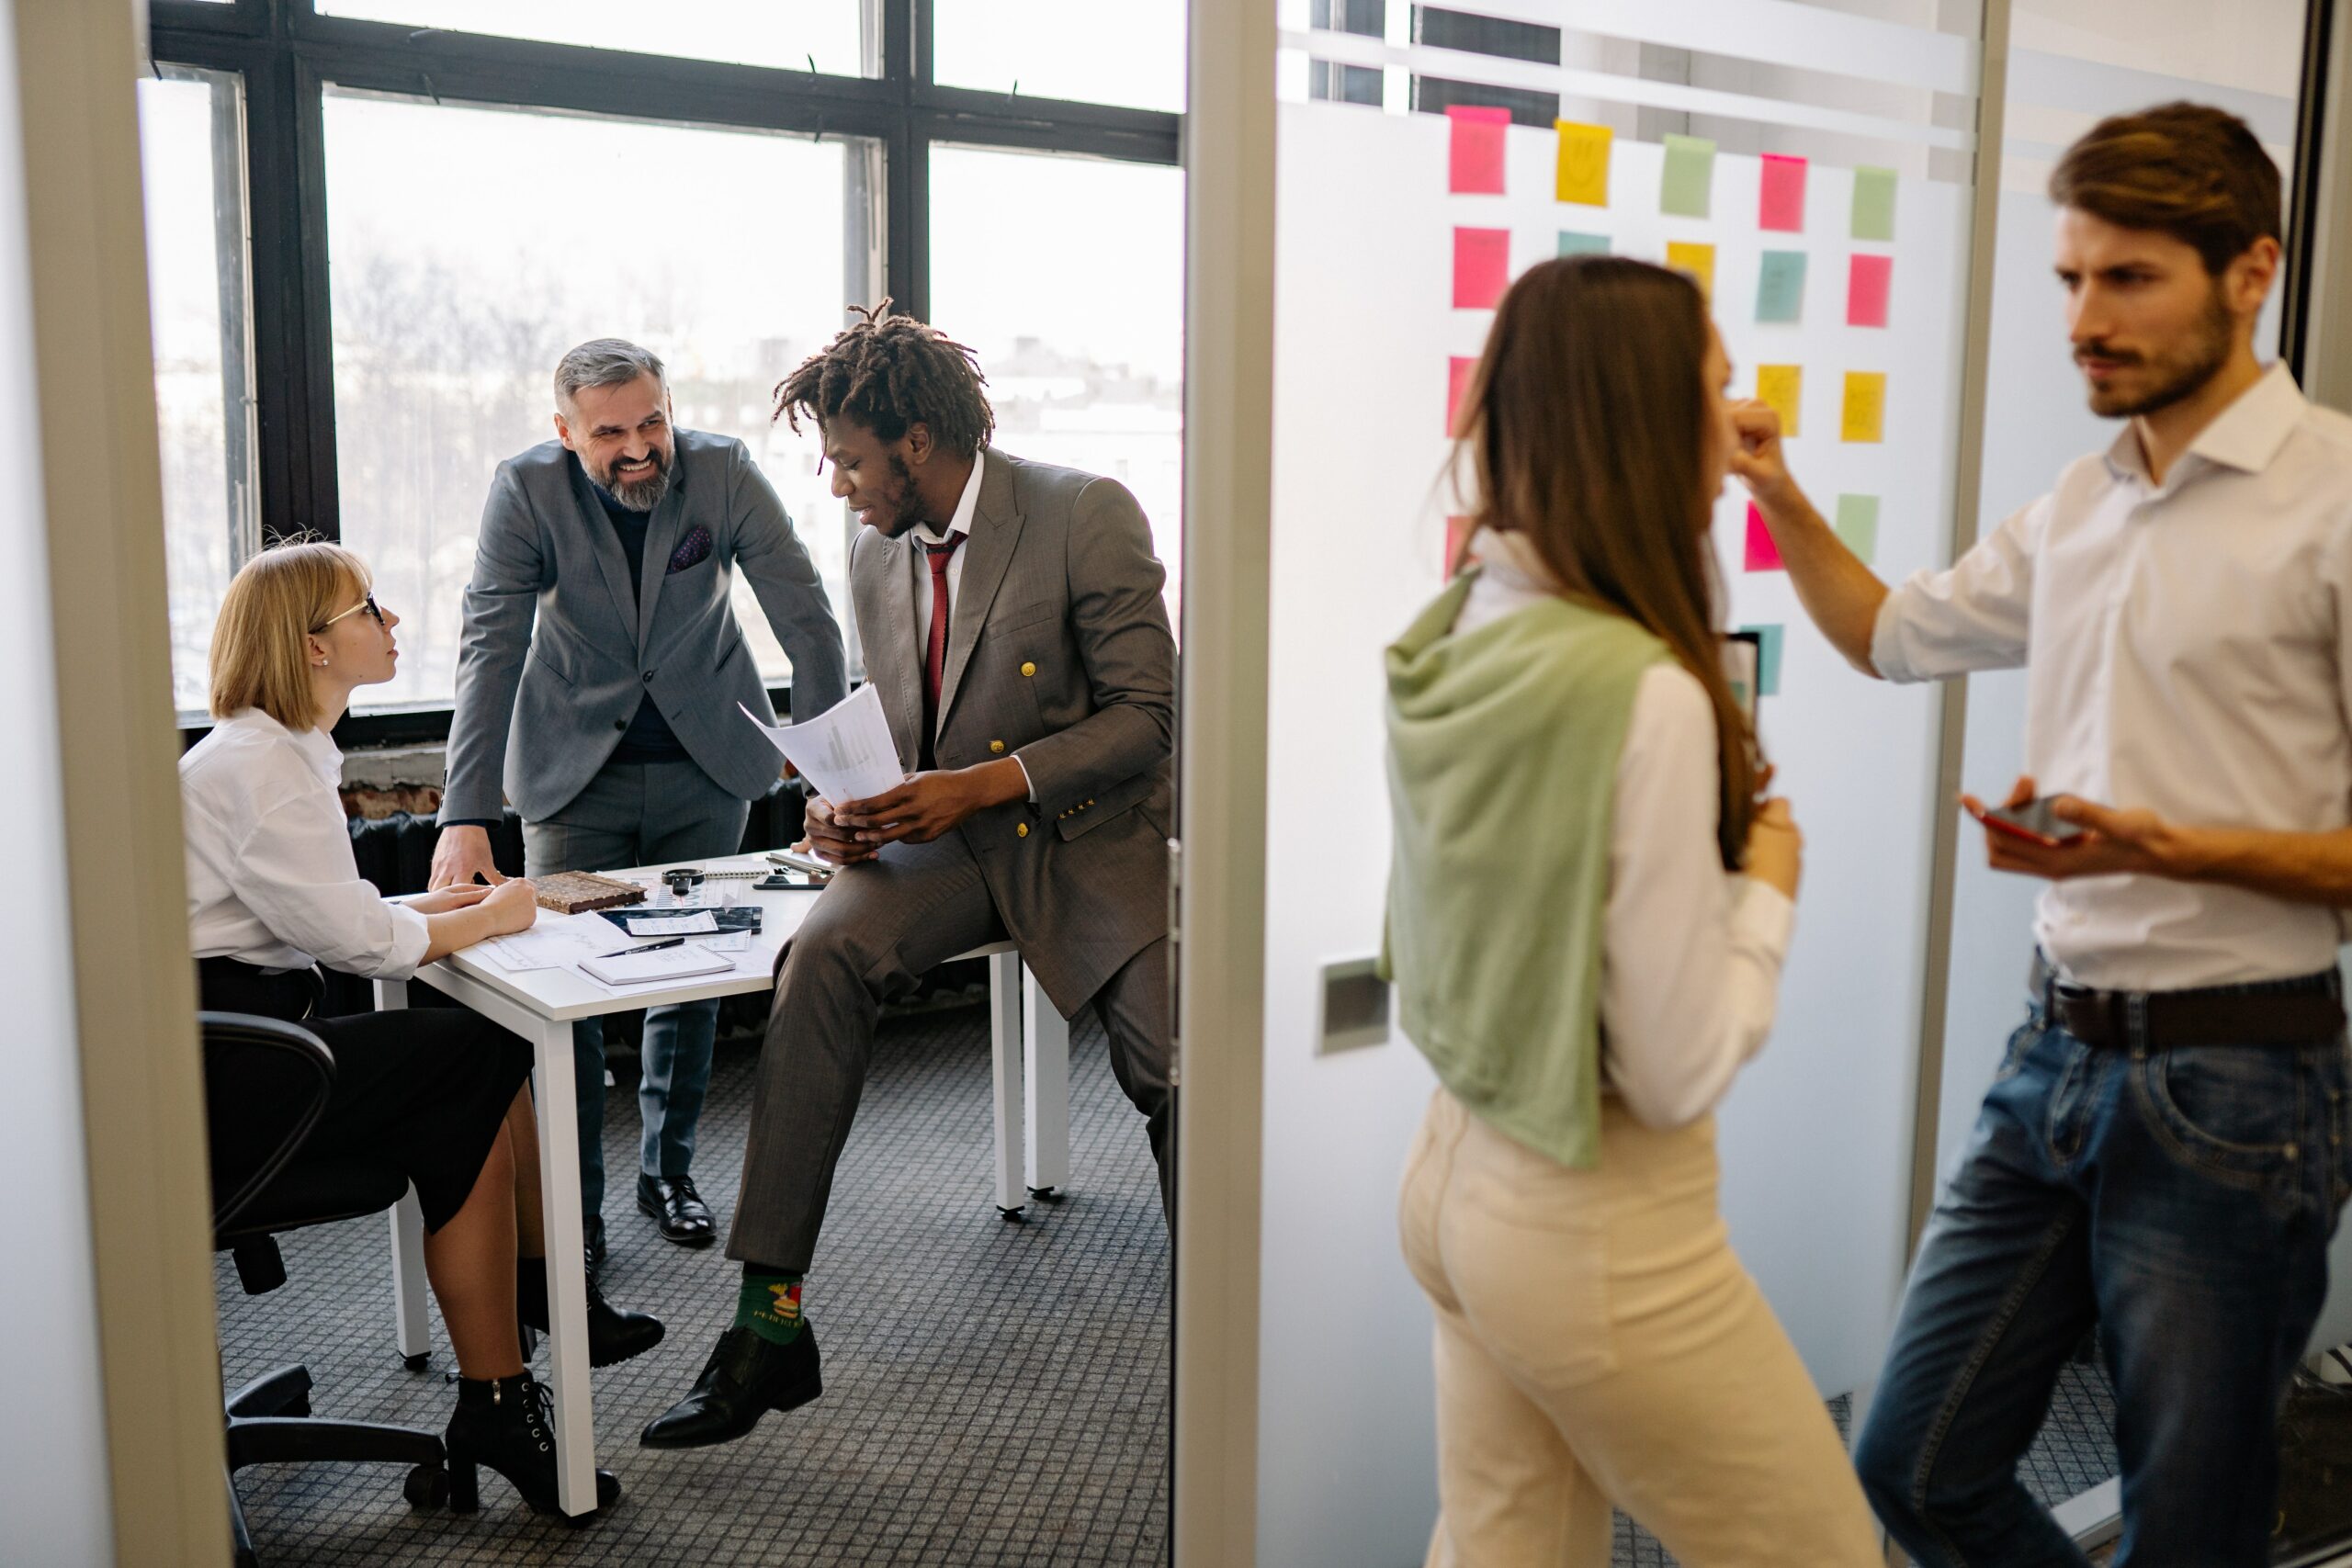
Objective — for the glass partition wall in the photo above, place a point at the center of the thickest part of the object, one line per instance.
(1882, 275)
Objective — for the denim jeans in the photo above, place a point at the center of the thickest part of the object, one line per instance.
(642, 814)
(2182, 1200)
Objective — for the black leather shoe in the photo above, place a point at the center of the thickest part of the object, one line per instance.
(615, 1334)
(508, 1424)
(674, 1204)
(596, 1228)
(745, 1377)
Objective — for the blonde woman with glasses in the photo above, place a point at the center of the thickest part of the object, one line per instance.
(274, 893)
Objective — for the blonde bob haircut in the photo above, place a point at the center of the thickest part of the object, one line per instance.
(278, 600)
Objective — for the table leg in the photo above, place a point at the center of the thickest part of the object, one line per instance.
(1004, 1037)
(575, 1432)
(1044, 1038)
(411, 1325)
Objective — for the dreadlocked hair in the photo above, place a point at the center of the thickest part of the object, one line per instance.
(888, 372)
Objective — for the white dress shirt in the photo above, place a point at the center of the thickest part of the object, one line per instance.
(1690, 953)
(968, 507)
(2187, 649)
(271, 880)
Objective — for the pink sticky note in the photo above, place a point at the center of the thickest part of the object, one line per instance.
(1456, 530)
(1867, 281)
(1780, 204)
(1474, 156)
(1481, 267)
(1763, 554)
(1457, 376)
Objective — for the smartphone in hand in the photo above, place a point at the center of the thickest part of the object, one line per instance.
(2033, 822)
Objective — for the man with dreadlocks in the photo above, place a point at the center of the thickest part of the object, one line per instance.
(1012, 624)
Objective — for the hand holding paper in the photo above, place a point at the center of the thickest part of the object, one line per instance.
(846, 752)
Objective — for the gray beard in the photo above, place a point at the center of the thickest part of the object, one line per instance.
(645, 494)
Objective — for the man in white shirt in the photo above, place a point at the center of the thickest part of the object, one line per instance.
(2164, 1152)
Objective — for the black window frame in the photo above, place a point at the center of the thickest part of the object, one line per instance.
(287, 53)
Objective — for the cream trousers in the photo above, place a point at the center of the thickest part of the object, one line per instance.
(1599, 1343)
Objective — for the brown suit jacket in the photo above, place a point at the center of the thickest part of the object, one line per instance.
(1058, 653)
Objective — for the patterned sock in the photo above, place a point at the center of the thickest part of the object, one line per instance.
(769, 1304)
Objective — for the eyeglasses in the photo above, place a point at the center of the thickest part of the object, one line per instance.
(369, 604)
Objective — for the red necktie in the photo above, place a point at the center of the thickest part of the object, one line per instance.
(934, 658)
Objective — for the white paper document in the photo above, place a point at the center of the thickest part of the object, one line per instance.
(846, 752)
(553, 942)
(673, 925)
(728, 941)
(663, 964)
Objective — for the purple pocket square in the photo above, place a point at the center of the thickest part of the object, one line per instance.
(692, 550)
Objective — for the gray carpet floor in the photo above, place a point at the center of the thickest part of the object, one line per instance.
(994, 1393)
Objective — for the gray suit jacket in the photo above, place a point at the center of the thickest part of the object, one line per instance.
(1058, 653)
(540, 707)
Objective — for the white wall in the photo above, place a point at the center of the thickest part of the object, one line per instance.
(54, 1494)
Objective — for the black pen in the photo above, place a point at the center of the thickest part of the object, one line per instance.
(665, 941)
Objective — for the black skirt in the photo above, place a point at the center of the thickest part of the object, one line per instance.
(425, 1089)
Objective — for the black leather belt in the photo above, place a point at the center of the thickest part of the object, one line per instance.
(2305, 1010)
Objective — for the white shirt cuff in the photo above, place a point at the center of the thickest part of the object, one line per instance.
(1763, 917)
(1886, 641)
(1026, 779)
(410, 937)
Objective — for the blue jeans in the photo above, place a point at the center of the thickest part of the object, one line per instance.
(2182, 1200)
(642, 814)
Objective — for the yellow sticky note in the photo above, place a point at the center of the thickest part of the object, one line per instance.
(1779, 386)
(1584, 163)
(1698, 261)
(1865, 406)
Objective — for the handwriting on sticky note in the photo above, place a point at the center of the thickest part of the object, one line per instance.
(1779, 200)
(1473, 160)
(1779, 287)
(1782, 388)
(1698, 261)
(1858, 526)
(1457, 378)
(1583, 175)
(1763, 554)
(1874, 203)
(1574, 245)
(1687, 188)
(1868, 280)
(1865, 406)
(1481, 267)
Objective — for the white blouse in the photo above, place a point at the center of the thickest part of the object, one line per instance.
(1690, 953)
(271, 880)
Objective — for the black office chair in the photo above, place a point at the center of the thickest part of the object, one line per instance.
(284, 1073)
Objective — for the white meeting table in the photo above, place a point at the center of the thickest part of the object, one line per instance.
(1031, 1084)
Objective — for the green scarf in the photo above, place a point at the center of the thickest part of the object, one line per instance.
(1503, 746)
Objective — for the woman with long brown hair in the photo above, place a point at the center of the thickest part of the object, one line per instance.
(1587, 910)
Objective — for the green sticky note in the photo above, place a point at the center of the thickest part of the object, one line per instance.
(1689, 176)
(1779, 287)
(1574, 245)
(1858, 525)
(1874, 203)
(1768, 660)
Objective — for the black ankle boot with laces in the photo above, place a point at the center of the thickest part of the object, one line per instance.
(508, 1424)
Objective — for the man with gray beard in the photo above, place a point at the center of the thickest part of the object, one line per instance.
(610, 726)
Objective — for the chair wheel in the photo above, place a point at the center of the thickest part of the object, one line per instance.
(427, 1486)
(417, 1362)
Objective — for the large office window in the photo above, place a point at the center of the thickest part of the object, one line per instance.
(1082, 341)
(454, 297)
(191, 128)
(433, 198)
(830, 37)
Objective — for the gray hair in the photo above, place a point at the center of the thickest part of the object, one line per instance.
(604, 362)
